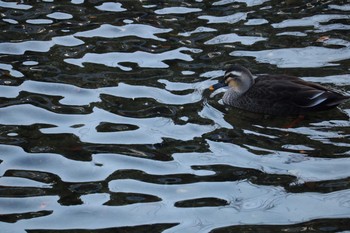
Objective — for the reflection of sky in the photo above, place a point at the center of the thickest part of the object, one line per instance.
(73, 95)
(233, 37)
(248, 2)
(111, 6)
(177, 10)
(14, 5)
(230, 19)
(143, 59)
(19, 48)
(106, 31)
(308, 21)
(311, 56)
(267, 203)
(138, 30)
(155, 128)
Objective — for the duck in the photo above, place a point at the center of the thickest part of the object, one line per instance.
(273, 94)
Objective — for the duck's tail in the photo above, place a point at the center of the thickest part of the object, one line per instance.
(336, 100)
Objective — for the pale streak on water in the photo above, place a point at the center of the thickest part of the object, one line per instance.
(106, 123)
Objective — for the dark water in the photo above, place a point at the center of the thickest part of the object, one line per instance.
(107, 126)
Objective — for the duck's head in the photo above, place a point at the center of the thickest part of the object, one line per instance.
(237, 78)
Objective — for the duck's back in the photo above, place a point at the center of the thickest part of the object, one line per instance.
(285, 95)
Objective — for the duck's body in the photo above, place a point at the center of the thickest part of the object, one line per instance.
(276, 94)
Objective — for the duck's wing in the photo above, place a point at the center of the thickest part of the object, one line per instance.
(295, 92)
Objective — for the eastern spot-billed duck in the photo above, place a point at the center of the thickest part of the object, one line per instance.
(275, 94)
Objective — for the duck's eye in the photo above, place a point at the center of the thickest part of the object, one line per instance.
(236, 73)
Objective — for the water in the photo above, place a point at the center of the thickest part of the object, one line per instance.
(107, 124)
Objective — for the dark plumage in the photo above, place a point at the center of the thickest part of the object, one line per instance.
(275, 94)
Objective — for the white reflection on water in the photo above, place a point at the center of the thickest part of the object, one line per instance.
(248, 2)
(233, 37)
(143, 59)
(230, 19)
(60, 15)
(249, 204)
(177, 10)
(39, 21)
(138, 30)
(256, 22)
(111, 6)
(18, 48)
(12, 71)
(14, 5)
(20, 182)
(73, 95)
(17, 159)
(151, 130)
(314, 21)
(279, 162)
(298, 57)
(343, 7)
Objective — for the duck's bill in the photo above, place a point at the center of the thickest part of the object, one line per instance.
(216, 86)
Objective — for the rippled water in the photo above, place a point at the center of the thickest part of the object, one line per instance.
(107, 125)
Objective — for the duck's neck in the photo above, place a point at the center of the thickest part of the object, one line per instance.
(234, 91)
(231, 95)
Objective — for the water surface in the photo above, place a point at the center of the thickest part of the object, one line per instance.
(107, 124)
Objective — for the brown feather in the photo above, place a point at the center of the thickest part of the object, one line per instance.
(281, 95)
